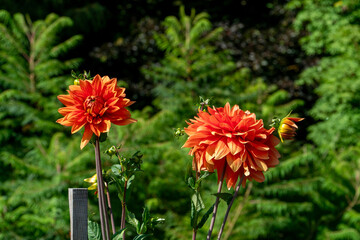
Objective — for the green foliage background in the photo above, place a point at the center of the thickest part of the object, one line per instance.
(269, 57)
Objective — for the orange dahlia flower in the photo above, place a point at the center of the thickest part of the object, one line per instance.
(94, 105)
(231, 138)
(287, 127)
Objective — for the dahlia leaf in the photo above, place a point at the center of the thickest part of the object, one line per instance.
(224, 196)
(191, 182)
(118, 235)
(198, 202)
(145, 215)
(94, 232)
(132, 220)
(205, 217)
(130, 180)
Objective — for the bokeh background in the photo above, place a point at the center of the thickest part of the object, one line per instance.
(269, 57)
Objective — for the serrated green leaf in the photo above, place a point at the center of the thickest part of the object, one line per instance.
(145, 215)
(191, 182)
(198, 202)
(227, 197)
(118, 234)
(130, 181)
(94, 231)
(116, 169)
(205, 217)
(143, 228)
(131, 219)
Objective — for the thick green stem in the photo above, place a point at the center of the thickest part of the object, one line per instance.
(229, 206)
(216, 203)
(110, 210)
(105, 230)
(123, 213)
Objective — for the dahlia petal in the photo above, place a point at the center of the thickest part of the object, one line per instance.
(259, 146)
(97, 85)
(246, 170)
(273, 140)
(295, 119)
(270, 131)
(66, 110)
(106, 79)
(130, 103)
(234, 110)
(260, 136)
(86, 87)
(258, 124)
(104, 126)
(86, 137)
(103, 110)
(120, 91)
(231, 178)
(196, 139)
(95, 130)
(219, 166)
(227, 108)
(234, 162)
(234, 146)
(65, 122)
(251, 163)
(124, 122)
(221, 150)
(77, 98)
(261, 164)
(74, 88)
(210, 140)
(259, 154)
(258, 176)
(66, 100)
(76, 127)
(250, 135)
(210, 152)
(273, 161)
(226, 126)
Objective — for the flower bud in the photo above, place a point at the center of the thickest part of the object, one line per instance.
(287, 127)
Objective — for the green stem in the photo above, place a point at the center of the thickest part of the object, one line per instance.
(110, 210)
(123, 213)
(229, 206)
(216, 203)
(100, 183)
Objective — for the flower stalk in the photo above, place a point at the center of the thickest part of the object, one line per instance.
(110, 210)
(216, 203)
(123, 212)
(229, 206)
(100, 183)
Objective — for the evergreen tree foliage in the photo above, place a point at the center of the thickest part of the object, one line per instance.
(35, 204)
(191, 66)
(36, 164)
(32, 75)
(314, 193)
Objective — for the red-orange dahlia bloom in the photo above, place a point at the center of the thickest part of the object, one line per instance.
(94, 105)
(231, 138)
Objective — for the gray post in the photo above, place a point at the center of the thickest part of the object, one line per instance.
(78, 204)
